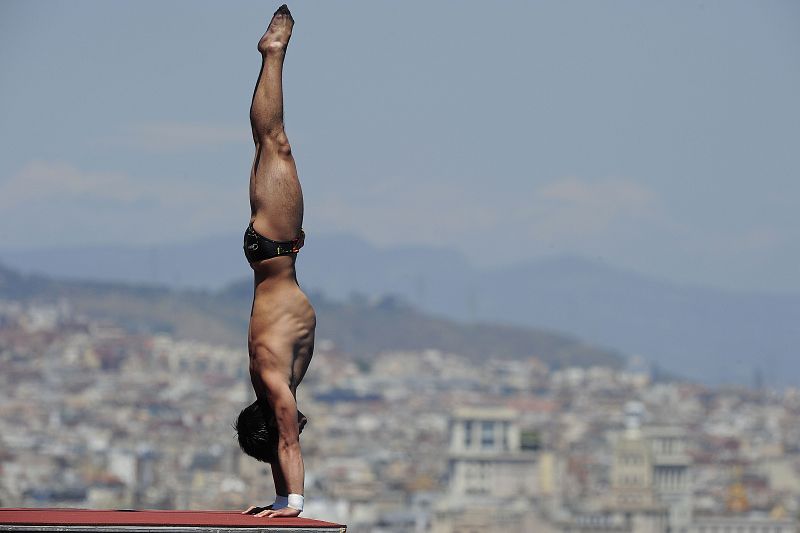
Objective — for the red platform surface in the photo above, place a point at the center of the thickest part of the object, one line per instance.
(119, 519)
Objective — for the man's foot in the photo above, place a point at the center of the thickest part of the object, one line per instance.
(276, 39)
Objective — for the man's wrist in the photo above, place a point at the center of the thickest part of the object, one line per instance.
(295, 501)
(281, 502)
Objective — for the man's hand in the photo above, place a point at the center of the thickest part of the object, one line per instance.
(253, 509)
(286, 512)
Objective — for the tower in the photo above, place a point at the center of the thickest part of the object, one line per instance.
(632, 470)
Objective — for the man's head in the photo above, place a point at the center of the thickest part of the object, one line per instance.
(256, 433)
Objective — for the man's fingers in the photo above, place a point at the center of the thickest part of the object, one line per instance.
(285, 512)
(256, 509)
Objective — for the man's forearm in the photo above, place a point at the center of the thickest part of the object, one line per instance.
(290, 459)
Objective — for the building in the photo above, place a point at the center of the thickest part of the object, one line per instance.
(492, 479)
(486, 457)
(670, 473)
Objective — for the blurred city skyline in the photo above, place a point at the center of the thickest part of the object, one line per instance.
(659, 138)
(515, 212)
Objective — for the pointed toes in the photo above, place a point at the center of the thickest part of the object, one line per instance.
(283, 10)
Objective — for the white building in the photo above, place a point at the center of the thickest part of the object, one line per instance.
(486, 457)
(492, 479)
(671, 480)
(651, 472)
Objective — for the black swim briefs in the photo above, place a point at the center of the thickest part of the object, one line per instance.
(257, 247)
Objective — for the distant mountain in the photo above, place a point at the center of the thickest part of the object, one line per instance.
(712, 335)
(707, 334)
(360, 327)
(221, 263)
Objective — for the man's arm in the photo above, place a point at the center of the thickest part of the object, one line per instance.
(290, 459)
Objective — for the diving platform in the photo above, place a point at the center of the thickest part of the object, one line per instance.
(143, 521)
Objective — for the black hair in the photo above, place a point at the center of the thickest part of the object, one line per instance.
(257, 436)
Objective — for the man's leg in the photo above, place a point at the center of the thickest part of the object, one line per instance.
(276, 199)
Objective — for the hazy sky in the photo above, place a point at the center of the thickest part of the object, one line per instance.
(658, 136)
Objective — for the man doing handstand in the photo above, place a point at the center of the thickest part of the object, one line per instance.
(282, 321)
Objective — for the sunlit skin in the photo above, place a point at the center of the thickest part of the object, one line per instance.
(282, 321)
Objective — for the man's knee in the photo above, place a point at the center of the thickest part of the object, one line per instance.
(274, 140)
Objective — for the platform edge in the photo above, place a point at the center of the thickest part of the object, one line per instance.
(83, 528)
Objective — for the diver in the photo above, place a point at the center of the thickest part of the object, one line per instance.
(282, 321)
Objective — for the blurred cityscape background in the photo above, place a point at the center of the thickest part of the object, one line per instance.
(552, 247)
